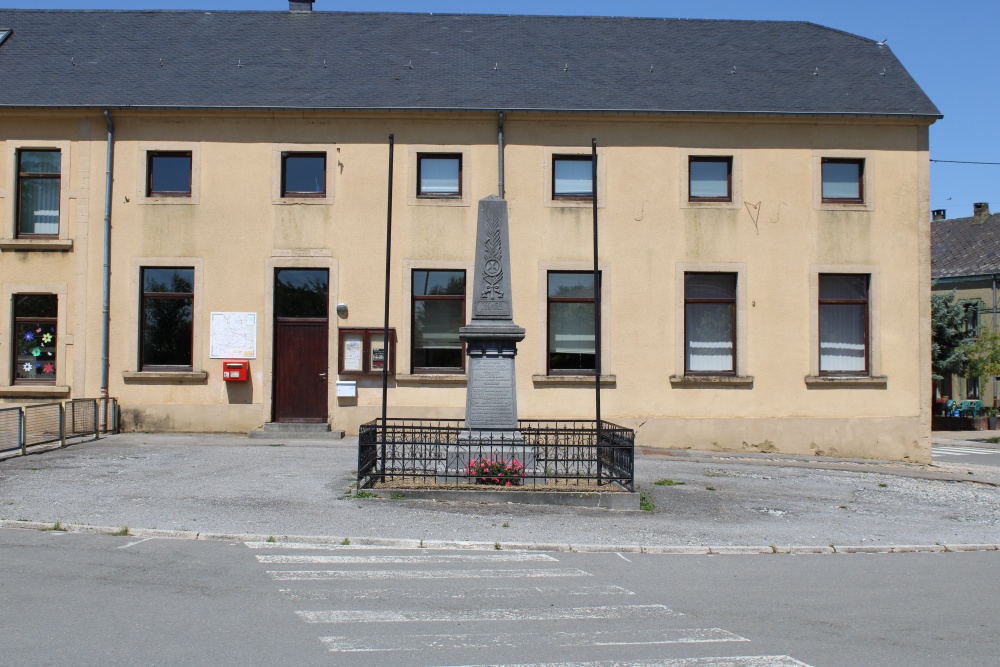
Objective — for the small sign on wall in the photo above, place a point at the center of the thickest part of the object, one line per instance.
(233, 336)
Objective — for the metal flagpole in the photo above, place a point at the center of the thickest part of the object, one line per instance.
(385, 328)
(597, 308)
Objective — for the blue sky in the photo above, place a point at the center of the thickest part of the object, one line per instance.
(948, 47)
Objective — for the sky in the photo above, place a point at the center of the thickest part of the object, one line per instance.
(948, 47)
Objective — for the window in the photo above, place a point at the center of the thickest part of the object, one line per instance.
(438, 313)
(34, 338)
(38, 189)
(439, 175)
(971, 319)
(303, 174)
(571, 323)
(168, 174)
(166, 319)
(843, 324)
(972, 389)
(710, 178)
(843, 181)
(572, 177)
(709, 323)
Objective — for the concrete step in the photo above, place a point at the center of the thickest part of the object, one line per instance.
(297, 431)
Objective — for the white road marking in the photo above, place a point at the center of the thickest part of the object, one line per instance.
(304, 545)
(622, 557)
(506, 592)
(419, 642)
(728, 661)
(317, 575)
(961, 451)
(132, 544)
(423, 558)
(469, 615)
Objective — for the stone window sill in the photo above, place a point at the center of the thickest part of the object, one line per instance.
(431, 378)
(36, 390)
(165, 377)
(877, 381)
(606, 380)
(43, 245)
(712, 380)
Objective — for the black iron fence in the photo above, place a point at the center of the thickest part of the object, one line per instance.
(44, 423)
(540, 453)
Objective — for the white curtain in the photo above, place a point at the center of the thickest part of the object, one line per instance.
(842, 338)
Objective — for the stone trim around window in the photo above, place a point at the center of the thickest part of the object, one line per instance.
(142, 166)
(740, 269)
(869, 180)
(411, 176)
(131, 365)
(61, 290)
(8, 189)
(685, 184)
(331, 169)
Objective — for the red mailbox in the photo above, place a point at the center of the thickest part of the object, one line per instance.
(236, 370)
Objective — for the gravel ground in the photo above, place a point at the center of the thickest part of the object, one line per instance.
(229, 484)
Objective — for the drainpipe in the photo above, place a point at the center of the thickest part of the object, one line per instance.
(500, 151)
(106, 310)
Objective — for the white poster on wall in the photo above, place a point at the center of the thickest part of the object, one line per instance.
(233, 336)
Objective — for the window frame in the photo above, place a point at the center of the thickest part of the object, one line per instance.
(572, 157)
(174, 194)
(549, 300)
(728, 160)
(733, 325)
(414, 297)
(860, 162)
(18, 234)
(438, 195)
(14, 319)
(867, 324)
(143, 296)
(285, 193)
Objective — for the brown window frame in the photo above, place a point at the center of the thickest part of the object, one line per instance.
(572, 197)
(728, 160)
(549, 300)
(844, 302)
(15, 320)
(702, 300)
(439, 195)
(143, 296)
(150, 192)
(366, 334)
(414, 297)
(860, 162)
(30, 174)
(295, 194)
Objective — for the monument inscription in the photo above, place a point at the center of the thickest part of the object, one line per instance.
(489, 398)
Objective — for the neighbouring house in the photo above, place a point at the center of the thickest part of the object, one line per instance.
(762, 190)
(965, 259)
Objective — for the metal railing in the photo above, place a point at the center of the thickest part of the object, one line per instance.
(44, 423)
(553, 454)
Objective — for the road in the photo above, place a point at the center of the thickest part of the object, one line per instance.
(966, 452)
(99, 600)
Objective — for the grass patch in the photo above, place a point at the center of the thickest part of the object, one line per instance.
(710, 488)
(882, 485)
(55, 526)
(994, 440)
(496, 545)
(346, 542)
(646, 502)
(667, 482)
(277, 444)
(271, 539)
(121, 532)
(843, 507)
(506, 524)
(366, 494)
(396, 496)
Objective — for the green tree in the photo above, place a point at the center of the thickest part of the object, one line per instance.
(948, 338)
(983, 355)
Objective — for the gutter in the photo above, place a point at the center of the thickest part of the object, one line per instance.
(106, 308)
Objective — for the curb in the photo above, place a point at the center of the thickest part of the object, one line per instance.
(391, 543)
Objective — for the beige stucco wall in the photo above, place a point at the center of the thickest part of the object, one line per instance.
(775, 231)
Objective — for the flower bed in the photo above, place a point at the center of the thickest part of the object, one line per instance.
(496, 472)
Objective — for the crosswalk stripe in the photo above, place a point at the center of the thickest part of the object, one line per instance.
(506, 592)
(421, 642)
(963, 450)
(423, 558)
(469, 615)
(724, 661)
(319, 575)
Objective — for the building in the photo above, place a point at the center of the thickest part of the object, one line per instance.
(966, 260)
(762, 194)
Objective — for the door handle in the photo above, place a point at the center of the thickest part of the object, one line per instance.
(323, 375)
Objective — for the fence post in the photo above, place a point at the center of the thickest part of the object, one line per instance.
(62, 424)
(21, 437)
(97, 421)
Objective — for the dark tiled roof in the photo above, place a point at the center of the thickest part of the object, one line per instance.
(422, 61)
(960, 247)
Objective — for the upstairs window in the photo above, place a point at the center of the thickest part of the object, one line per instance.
(710, 178)
(572, 342)
(166, 311)
(34, 338)
(39, 180)
(439, 175)
(572, 177)
(971, 319)
(168, 174)
(710, 323)
(843, 181)
(438, 313)
(843, 324)
(303, 174)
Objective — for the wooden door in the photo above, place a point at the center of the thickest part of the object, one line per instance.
(301, 345)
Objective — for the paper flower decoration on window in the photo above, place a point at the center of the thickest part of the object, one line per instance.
(28, 367)
(29, 336)
(47, 338)
(36, 351)
(47, 368)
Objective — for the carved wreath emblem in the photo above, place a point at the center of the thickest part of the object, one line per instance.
(492, 253)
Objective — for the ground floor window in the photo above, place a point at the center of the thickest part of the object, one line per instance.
(709, 323)
(438, 313)
(166, 319)
(35, 338)
(570, 319)
(843, 324)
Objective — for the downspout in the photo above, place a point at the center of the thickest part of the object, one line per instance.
(500, 152)
(106, 310)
